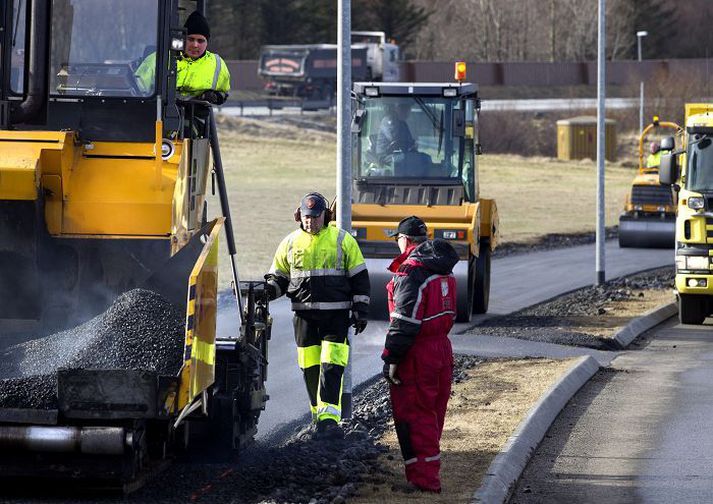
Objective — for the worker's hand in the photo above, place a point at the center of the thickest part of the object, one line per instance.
(214, 97)
(390, 373)
(358, 321)
(271, 291)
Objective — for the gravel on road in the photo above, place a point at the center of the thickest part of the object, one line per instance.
(586, 317)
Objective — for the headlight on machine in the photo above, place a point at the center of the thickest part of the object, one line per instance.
(680, 262)
(692, 262)
(696, 203)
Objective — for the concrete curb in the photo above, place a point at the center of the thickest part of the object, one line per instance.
(640, 325)
(507, 466)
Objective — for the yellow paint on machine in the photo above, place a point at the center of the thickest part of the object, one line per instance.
(102, 188)
(478, 220)
(198, 371)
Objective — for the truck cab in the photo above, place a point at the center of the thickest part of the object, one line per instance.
(690, 171)
(415, 148)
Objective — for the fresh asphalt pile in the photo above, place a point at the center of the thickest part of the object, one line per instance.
(299, 469)
(555, 321)
(140, 330)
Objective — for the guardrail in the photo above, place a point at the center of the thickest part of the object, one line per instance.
(273, 103)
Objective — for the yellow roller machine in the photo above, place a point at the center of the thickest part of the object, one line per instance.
(415, 153)
(102, 190)
(648, 219)
(690, 172)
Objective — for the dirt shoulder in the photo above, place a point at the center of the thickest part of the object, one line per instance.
(486, 406)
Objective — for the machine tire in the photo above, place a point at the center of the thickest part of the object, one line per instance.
(481, 297)
(692, 309)
(465, 308)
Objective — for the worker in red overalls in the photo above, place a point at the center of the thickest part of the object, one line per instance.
(418, 358)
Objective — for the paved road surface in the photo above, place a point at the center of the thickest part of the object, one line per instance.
(517, 282)
(638, 432)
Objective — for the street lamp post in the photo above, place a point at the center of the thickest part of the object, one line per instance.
(639, 36)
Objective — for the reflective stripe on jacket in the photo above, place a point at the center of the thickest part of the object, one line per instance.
(421, 296)
(325, 271)
(193, 76)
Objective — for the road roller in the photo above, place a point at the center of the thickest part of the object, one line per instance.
(649, 216)
(415, 153)
(102, 194)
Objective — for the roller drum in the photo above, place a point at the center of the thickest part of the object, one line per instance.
(647, 232)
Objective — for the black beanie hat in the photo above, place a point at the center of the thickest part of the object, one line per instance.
(197, 24)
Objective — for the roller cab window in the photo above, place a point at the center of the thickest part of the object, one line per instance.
(412, 138)
(97, 46)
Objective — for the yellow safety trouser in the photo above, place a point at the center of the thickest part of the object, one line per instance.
(322, 355)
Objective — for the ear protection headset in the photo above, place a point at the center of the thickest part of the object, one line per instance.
(327, 210)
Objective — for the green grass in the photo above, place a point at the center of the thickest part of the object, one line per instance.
(267, 175)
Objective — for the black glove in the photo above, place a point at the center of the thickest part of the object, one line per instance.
(389, 373)
(271, 292)
(358, 321)
(214, 97)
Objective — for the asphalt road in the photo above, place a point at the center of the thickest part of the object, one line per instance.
(517, 282)
(637, 432)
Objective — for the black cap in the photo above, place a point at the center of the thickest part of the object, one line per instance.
(312, 205)
(411, 226)
(197, 24)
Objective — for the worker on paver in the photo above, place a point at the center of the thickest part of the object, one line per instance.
(418, 359)
(653, 160)
(323, 272)
(199, 72)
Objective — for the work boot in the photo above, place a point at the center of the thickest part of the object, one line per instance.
(307, 433)
(329, 430)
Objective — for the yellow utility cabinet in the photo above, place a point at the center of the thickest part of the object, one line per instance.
(577, 138)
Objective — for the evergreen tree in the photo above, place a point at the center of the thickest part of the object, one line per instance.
(399, 19)
(659, 18)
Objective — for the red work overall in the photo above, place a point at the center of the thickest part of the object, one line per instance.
(426, 312)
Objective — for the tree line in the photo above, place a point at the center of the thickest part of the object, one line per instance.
(476, 30)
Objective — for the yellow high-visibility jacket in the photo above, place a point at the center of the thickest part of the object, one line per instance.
(193, 76)
(325, 271)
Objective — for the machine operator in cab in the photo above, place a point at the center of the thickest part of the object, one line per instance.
(657, 150)
(323, 272)
(199, 73)
(394, 133)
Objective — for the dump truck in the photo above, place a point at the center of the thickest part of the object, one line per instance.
(310, 70)
(690, 172)
(435, 178)
(103, 187)
(649, 216)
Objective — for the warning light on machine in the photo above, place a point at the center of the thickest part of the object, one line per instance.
(460, 71)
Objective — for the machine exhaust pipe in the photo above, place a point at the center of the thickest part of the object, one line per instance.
(86, 440)
(38, 63)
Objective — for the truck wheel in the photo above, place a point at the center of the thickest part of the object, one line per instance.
(692, 309)
(464, 297)
(481, 298)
